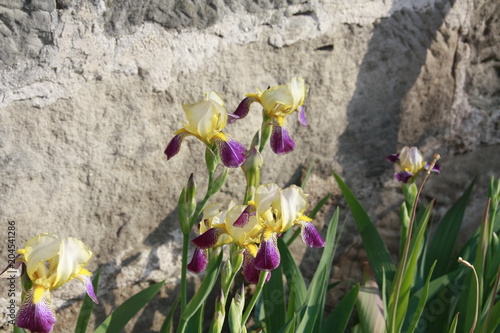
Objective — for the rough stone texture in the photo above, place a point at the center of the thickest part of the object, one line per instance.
(91, 91)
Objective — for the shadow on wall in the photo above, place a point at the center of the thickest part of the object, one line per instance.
(393, 61)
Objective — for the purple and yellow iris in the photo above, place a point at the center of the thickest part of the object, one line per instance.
(206, 120)
(410, 162)
(256, 227)
(50, 262)
(278, 102)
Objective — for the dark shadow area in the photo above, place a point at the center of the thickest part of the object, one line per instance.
(395, 56)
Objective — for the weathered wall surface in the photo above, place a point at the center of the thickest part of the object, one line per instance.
(91, 91)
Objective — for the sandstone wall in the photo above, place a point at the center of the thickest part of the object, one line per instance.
(91, 91)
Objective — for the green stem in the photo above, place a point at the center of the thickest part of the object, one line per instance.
(466, 263)
(253, 300)
(185, 245)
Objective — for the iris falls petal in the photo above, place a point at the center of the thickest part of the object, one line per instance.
(281, 142)
(199, 261)
(174, 146)
(268, 256)
(232, 153)
(310, 235)
(36, 317)
(207, 239)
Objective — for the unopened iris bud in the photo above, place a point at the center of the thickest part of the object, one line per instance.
(237, 259)
(252, 166)
(190, 195)
(212, 159)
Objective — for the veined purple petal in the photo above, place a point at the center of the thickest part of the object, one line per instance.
(268, 256)
(310, 235)
(199, 261)
(302, 115)
(232, 153)
(281, 142)
(403, 176)
(89, 287)
(207, 239)
(249, 271)
(242, 220)
(241, 111)
(393, 158)
(436, 168)
(37, 317)
(174, 146)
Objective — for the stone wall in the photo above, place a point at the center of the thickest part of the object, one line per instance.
(91, 91)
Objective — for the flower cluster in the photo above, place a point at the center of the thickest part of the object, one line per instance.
(49, 263)
(278, 102)
(255, 227)
(410, 162)
(207, 119)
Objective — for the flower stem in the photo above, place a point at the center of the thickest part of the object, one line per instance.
(185, 245)
(253, 300)
(466, 263)
(402, 264)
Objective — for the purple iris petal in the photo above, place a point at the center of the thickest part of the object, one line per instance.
(207, 239)
(242, 220)
(37, 317)
(393, 158)
(403, 176)
(249, 271)
(302, 115)
(436, 168)
(268, 256)
(199, 261)
(310, 235)
(232, 153)
(174, 146)
(89, 287)
(241, 111)
(281, 142)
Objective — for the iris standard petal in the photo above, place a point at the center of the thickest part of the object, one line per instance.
(174, 146)
(268, 256)
(199, 261)
(232, 153)
(74, 254)
(281, 142)
(39, 249)
(310, 235)
(403, 176)
(302, 115)
(207, 239)
(36, 317)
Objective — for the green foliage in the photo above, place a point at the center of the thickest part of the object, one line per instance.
(450, 289)
(117, 320)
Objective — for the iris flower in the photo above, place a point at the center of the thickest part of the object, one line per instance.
(278, 102)
(206, 120)
(50, 262)
(255, 227)
(410, 162)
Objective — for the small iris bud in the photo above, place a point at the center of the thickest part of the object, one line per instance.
(212, 158)
(252, 166)
(190, 195)
(237, 259)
